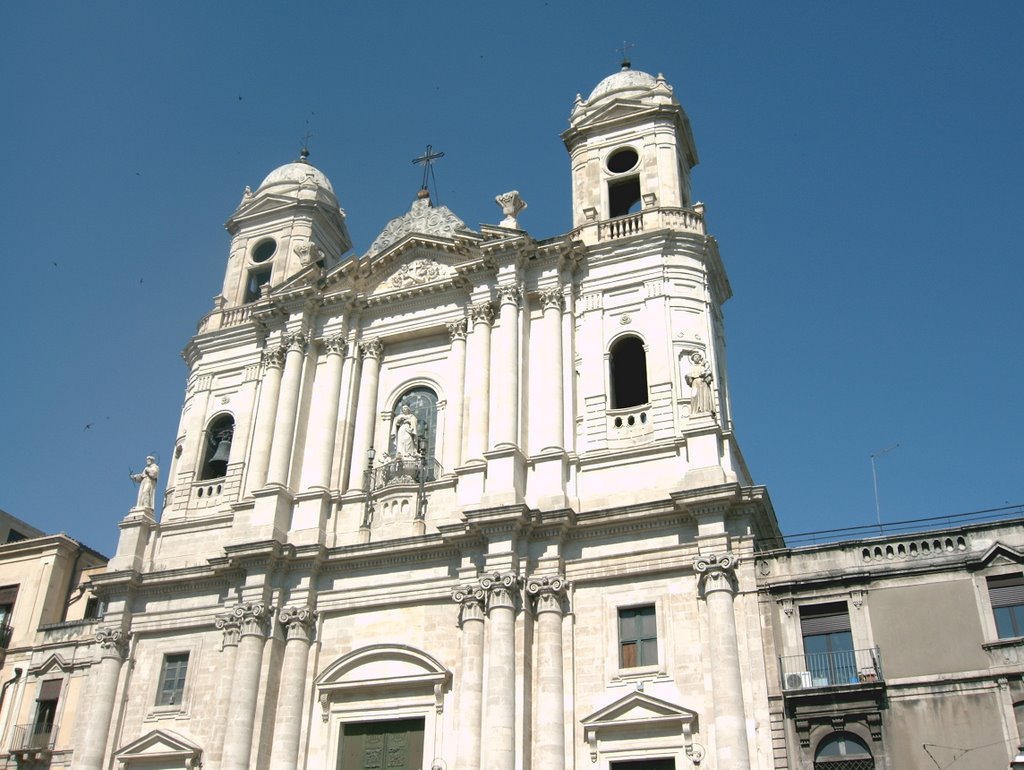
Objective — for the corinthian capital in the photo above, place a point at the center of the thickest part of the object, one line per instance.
(501, 589)
(510, 294)
(482, 313)
(253, 618)
(273, 358)
(717, 572)
(299, 622)
(457, 329)
(113, 642)
(372, 348)
(296, 341)
(471, 598)
(547, 592)
(552, 298)
(335, 345)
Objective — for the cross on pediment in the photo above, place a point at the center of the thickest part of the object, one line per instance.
(427, 160)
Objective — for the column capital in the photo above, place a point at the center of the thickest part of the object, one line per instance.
(457, 329)
(296, 341)
(299, 622)
(501, 589)
(113, 642)
(717, 571)
(372, 348)
(552, 297)
(273, 358)
(335, 345)
(510, 294)
(547, 592)
(231, 627)
(253, 618)
(482, 313)
(471, 598)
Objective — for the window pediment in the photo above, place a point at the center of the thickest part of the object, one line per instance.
(383, 665)
(641, 716)
(159, 746)
(998, 553)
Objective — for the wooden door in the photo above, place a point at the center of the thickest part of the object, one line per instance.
(396, 745)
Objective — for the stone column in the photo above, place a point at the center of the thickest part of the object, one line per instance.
(552, 418)
(471, 685)
(253, 619)
(549, 734)
(300, 624)
(482, 315)
(372, 351)
(323, 445)
(717, 576)
(506, 374)
(273, 364)
(500, 749)
(284, 425)
(457, 364)
(113, 648)
(231, 627)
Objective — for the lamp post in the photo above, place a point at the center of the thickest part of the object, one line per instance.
(368, 506)
(421, 501)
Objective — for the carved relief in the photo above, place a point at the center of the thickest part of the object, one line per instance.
(299, 622)
(457, 329)
(335, 346)
(718, 573)
(511, 204)
(552, 298)
(307, 252)
(417, 273)
(372, 348)
(421, 218)
(547, 592)
(482, 313)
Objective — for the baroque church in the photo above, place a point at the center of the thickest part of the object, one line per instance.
(473, 501)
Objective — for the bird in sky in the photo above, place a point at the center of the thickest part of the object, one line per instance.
(87, 426)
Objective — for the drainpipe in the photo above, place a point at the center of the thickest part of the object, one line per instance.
(70, 589)
(8, 683)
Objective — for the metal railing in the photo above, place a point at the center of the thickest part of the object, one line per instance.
(403, 470)
(830, 669)
(33, 737)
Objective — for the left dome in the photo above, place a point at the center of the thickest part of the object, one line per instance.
(297, 173)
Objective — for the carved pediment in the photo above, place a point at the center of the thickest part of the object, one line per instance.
(421, 219)
(382, 665)
(52, 664)
(637, 707)
(167, 747)
(415, 273)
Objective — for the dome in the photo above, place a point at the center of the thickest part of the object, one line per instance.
(297, 173)
(624, 80)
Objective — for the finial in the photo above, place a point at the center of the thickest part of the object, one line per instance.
(303, 155)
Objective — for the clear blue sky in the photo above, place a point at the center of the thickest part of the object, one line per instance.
(861, 165)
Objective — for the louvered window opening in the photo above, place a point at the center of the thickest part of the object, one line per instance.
(1006, 593)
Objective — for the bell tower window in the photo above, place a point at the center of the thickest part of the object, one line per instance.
(258, 278)
(623, 197)
(628, 373)
(218, 448)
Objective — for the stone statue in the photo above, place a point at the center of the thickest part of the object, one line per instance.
(146, 479)
(403, 430)
(699, 378)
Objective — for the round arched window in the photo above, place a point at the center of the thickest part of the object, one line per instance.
(622, 160)
(843, 751)
(264, 250)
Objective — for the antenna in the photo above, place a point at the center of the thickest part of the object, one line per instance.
(874, 480)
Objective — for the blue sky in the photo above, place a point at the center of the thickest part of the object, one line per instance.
(861, 166)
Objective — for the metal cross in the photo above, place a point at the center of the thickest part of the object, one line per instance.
(625, 47)
(426, 160)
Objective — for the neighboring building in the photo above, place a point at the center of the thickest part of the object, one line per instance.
(48, 617)
(473, 500)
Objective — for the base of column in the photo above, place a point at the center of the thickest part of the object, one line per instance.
(548, 479)
(269, 518)
(309, 520)
(470, 488)
(506, 477)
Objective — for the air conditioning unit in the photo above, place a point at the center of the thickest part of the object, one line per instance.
(798, 680)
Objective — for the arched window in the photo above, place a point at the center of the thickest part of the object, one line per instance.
(414, 426)
(628, 373)
(843, 751)
(218, 447)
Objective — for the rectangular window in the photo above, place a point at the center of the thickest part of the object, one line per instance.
(638, 637)
(172, 680)
(257, 279)
(7, 596)
(828, 644)
(46, 714)
(1006, 592)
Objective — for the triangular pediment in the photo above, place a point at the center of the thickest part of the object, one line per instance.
(423, 219)
(638, 707)
(160, 744)
(998, 553)
(53, 663)
(414, 270)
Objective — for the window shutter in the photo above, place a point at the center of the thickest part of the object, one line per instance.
(824, 619)
(50, 689)
(1006, 590)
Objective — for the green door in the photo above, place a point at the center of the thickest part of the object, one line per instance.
(394, 745)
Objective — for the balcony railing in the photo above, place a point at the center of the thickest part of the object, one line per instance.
(405, 471)
(688, 219)
(830, 669)
(33, 737)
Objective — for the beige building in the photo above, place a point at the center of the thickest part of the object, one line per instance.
(48, 618)
(474, 500)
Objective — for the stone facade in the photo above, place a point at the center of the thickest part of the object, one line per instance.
(468, 500)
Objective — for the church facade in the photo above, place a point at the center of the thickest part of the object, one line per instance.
(473, 500)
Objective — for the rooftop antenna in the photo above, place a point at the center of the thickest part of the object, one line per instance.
(427, 161)
(626, 64)
(874, 480)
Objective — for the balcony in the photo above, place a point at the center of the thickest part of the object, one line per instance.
(841, 668)
(36, 739)
(653, 218)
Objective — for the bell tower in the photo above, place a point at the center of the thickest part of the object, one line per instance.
(630, 147)
(290, 222)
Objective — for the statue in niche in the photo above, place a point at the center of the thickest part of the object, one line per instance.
(699, 378)
(403, 431)
(146, 479)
